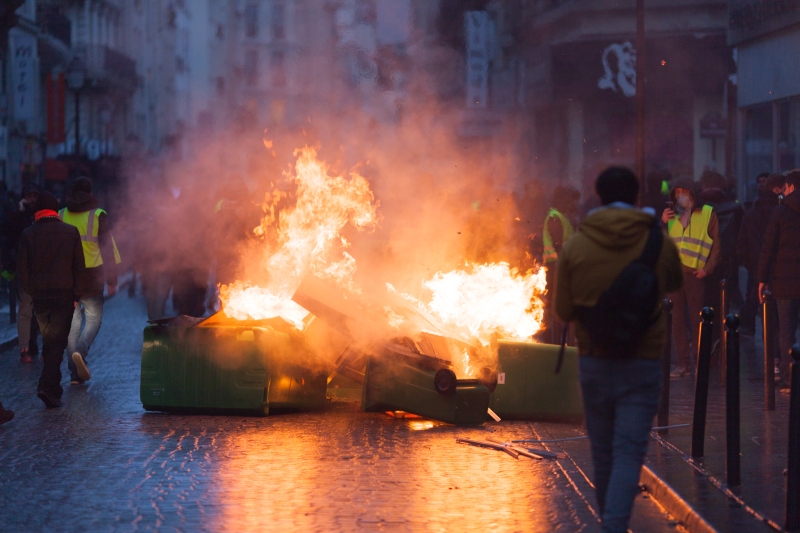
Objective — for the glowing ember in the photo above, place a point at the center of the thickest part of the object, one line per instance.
(308, 241)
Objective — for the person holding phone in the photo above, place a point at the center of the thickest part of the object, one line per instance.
(694, 228)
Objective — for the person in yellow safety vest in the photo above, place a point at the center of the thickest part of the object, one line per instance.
(102, 257)
(557, 229)
(695, 230)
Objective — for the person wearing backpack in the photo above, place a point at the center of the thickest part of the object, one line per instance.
(612, 276)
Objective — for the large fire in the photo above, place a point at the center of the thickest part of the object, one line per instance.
(475, 305)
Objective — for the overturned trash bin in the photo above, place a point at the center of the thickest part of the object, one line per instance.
(528, 387)
(216, 366)
(402, 380)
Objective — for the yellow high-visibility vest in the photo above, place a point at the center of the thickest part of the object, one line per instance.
(549, 254)
(88, 224)
(693, 242)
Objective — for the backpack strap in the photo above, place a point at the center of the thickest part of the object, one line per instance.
(652, 248)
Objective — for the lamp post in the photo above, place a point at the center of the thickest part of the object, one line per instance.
(76, 78)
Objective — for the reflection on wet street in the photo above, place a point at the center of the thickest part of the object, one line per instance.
(101, 463)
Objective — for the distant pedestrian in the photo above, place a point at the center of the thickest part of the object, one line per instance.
(51, 269)
(101, 257)
(748, 247)
(694, 228)
(620, 383)
(15, 221)
(779, 268)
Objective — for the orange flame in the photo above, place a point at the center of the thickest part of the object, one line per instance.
(308, 241)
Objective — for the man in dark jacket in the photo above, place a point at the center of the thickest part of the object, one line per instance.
(779, 268)
(14, 223)
(101, 259)
(50, 266)
(748, 247)
(620, 390)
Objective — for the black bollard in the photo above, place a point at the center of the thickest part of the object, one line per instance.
(768, 327)
(732, 411)
(666, 361)
(793, 471)
(701, 383)
(723, 349)
(12, 303)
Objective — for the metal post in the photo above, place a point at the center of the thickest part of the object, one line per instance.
(12, 302)
(701, 383)
(640, 92)
(666, 360)
(732, 411)
(723, 349)
(793, 471)
(769, 352)
(77, 126)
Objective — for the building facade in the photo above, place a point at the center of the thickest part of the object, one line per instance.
(766, 35)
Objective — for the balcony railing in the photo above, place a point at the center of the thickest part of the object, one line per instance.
(105, 65)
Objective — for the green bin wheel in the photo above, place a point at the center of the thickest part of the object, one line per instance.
(445, 382)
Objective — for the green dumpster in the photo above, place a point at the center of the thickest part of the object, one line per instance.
(400, 380)
(528, 387)
(219, 367)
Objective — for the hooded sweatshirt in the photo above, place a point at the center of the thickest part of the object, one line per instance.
(607, 241)
(779, 264)
(97, 277)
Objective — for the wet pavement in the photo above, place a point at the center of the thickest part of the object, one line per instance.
(100, 463)
(764, 448)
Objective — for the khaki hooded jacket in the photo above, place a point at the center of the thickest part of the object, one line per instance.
(607, 241)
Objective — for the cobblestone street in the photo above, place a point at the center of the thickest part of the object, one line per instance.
(100, 463)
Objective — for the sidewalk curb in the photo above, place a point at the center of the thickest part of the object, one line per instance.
(669, 498)
(10, 343)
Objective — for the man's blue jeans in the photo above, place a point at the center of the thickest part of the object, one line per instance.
(620, 399)
(91, 309)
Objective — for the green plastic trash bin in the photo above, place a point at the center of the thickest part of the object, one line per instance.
(217, 368)
(400, 380)
(528, 387)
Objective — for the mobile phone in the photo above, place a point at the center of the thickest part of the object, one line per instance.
(671, 206)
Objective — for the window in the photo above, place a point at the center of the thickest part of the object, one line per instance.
(251, 20)
(788, 135)
(251, 67)
(278, 69)
(757, 145)
(278, 21)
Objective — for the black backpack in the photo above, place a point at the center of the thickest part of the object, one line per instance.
(626, 310)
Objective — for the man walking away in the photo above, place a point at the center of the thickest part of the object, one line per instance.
(14, 223)
(101, 256)
(748, 246)
(779, 268)
(50, 265)
(620, 383)
(694, 228)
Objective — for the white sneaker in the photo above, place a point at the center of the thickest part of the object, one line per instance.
(83, 370)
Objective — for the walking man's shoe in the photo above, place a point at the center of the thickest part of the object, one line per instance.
(83, 370)
(679, 372)
(25, 356)
(5, 414)
(76, 381)
(49, 401)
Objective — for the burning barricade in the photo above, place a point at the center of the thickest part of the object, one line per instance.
(300, 322)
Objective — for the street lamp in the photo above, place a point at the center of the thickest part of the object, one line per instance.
(76, 78)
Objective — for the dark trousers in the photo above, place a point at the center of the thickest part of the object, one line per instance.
(55, 318)
(749, 310)
(788, 317)
(687, 304)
